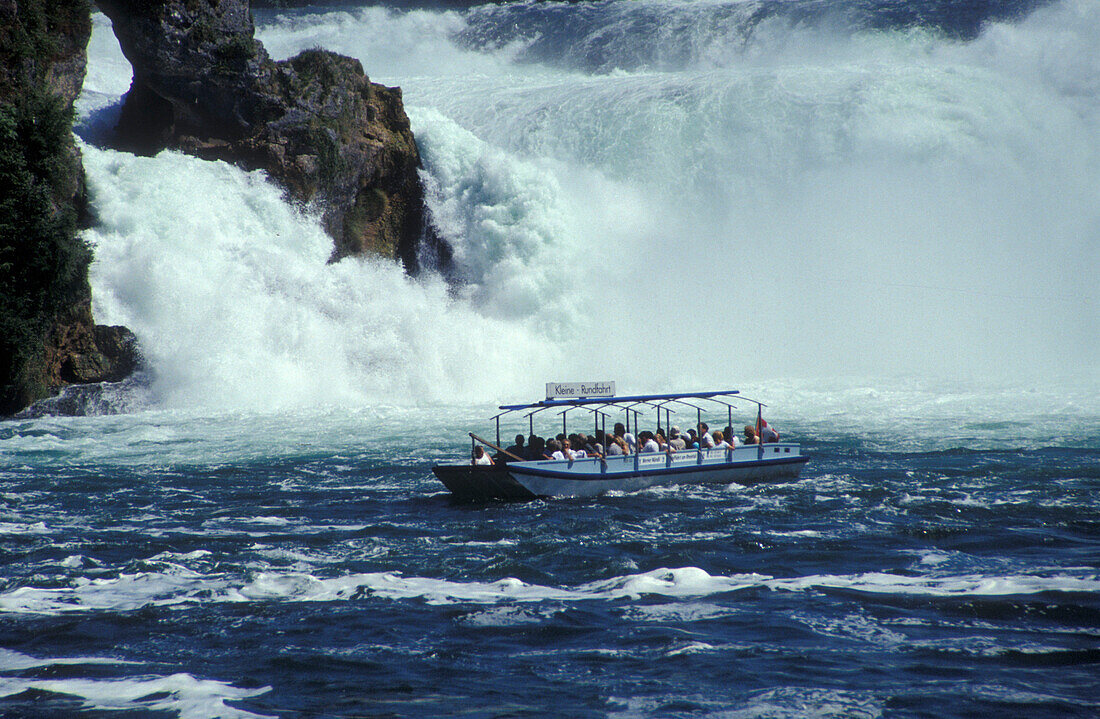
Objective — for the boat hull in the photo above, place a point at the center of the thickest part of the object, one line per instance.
(592, 477)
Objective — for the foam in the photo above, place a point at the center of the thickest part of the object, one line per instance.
(188, 697)
(12, 661)
(179, 585)
(183, 694)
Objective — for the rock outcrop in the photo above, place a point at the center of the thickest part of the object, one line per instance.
(48, 339)
(203, 84)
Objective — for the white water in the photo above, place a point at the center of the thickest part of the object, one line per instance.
(181, 586)
(892, 205)
(181, 694)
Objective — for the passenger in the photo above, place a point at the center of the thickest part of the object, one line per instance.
(649, 444)
(481, 458)
(693, 439)
(567, 450)
(750, 434)
(721, 443)
(577, 442)
(676, 440)
(662, 443)
(617, 447)
(592, 446)
(767, 432)
(516, 449)
(705, 436)
(553, 450)
(731, 439)
(626, 437)
(536, 448)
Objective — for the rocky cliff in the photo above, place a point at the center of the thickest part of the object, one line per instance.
(203, 84)
(47, 337)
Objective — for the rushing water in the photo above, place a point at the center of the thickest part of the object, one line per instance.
(881, 218)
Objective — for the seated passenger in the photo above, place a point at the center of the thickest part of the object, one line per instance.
(676, 440)
(705, 437)
(649, 444)
(480, 457)
(729, 436)
(767, 432)
(617, 447)
(721, 443)
(750, 434)
(516, 449)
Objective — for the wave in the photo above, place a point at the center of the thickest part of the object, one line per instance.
(129, 592)
(183, 694)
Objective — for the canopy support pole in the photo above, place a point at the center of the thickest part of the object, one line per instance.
(759, 434)
(699, 433)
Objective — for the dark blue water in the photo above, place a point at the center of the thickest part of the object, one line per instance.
(948, 583)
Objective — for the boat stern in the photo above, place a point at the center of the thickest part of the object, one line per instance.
(479, 483)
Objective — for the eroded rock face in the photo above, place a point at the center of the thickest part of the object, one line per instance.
(79, 351)
(315, 122)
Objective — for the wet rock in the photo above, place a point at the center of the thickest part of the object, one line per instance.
(333, 139)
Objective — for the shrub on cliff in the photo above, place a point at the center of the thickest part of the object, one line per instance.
(43, 261)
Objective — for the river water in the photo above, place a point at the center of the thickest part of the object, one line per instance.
(879, 218)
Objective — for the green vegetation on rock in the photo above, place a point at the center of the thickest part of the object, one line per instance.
(43, 260)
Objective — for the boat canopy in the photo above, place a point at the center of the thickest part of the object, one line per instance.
(630, 404)
(651, 399)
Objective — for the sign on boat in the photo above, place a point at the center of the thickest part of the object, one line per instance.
(515, 476)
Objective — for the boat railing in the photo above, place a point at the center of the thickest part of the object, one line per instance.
(642, 461)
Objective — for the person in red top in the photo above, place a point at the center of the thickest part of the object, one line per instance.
(766, 432)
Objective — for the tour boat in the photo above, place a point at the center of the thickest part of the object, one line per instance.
(516, 477)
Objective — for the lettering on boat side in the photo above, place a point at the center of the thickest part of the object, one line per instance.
(577, 390)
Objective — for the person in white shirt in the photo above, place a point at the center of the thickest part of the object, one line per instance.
(480, 457)
(721, 443)
(706, 440)
(616, 447)
(649, 444)
(731, 439)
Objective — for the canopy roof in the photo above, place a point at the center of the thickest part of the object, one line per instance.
(629, 400)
